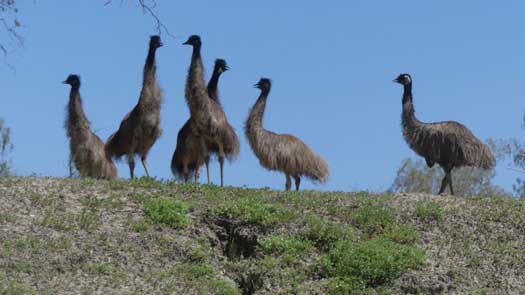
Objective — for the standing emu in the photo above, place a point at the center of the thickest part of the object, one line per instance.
(206, 115)
(450, 144)
(189, 155)
(86, 149)
(140, 128)
(282, 152)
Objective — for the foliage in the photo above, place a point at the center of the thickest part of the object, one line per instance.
(372, 262)
(167, 211)
(255, 211)
(417, 177)
(429, 211)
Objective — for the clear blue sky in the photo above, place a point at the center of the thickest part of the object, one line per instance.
(331, 63)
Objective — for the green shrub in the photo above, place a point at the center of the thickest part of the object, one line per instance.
(290, 249)
(255, 211)
(325, 233)
(429, 211)
(167, 211)
(372, 219)
(373, 262)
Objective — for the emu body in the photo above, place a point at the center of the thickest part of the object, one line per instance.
(190, 154)
(206, 115)
(140, 128)
(448, 143)
(282, 152)
(86, 149)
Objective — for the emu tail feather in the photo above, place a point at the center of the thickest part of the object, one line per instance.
(316, 167)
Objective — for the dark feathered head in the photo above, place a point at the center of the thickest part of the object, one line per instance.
(194, 40)
(264, 84)
(221, 66)
(73, 80)
(403, 79)
(155, 42)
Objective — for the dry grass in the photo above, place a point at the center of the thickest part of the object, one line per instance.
(85, 236)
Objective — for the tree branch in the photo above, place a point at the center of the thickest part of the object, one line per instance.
(148, 7)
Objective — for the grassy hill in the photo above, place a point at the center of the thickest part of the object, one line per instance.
(62, 236)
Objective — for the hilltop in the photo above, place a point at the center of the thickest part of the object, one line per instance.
(61, 236)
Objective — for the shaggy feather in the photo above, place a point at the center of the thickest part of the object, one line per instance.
(449, 143)
(189, 155)
(86, 149)
(206, 115)
(282, 152)
(140, 128)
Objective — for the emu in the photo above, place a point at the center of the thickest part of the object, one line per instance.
(86, 149)
(189, 155)
(449, 143)
(282, 152)
(206, 115)
(140, 128)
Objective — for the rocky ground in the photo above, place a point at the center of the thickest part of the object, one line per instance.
(61, 236)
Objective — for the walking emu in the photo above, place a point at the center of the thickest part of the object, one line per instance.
(140, 128)
(281, 152)
(450, 144)
(189, 155)
(86, 149)
(206, 115)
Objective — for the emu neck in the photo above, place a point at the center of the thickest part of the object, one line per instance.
(213, 89)
(150, 67)
(76, 120)
(255, 120)
(408, 115)
(196, 94)
(149, 84)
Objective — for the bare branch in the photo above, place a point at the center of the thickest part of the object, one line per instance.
(148, 7)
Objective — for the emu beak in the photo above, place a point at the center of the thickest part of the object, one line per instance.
(186, 43)
(226, 68)
(64, 82)
(256, 85)
(161, 44)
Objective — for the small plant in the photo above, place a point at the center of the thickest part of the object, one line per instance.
(373, 262)
(139, 225)
(290, 249)
(372, 218)
(429, 211)
(402, 234)
(254, 211)
(167, 211)
(324, 233)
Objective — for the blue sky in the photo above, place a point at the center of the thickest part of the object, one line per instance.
(332, 64)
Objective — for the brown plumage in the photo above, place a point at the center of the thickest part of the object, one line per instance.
(189, 155)
(140, 128)
(450, 144)
(86, 149)
(282, 152)
(206, 115)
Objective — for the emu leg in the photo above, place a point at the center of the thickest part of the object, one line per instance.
(288, 182)
(297, 181)
(444, 183)
(221, 163)
(197, 175)
(207, 161)
(450, 182)
(143, 160)
(131, 163)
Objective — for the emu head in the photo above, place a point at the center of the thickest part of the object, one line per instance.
(194, 40)
(155, 42)
(403, 79)
(73, 80)
(264, 84)
(221, 66)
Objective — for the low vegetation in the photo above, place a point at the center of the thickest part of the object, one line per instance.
(146, 236)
